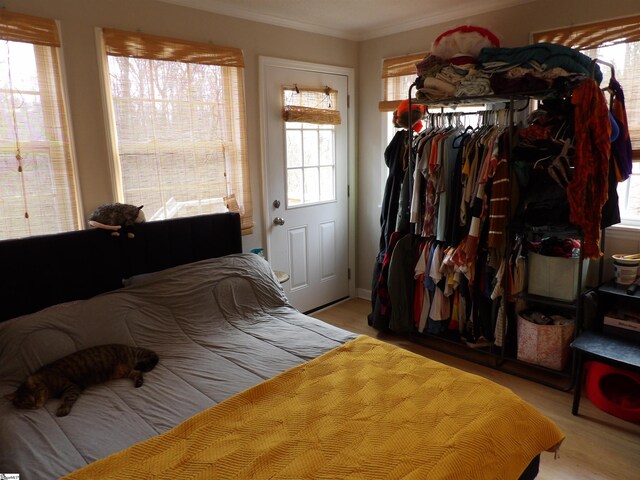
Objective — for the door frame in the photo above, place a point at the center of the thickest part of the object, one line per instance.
(263, 63)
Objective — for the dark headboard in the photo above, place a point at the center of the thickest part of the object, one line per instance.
(37, 272)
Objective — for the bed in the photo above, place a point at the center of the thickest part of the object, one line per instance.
(246, 387)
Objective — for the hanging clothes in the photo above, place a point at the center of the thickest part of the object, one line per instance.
(442, 266)
(380, 299)
(456, 169)
(621, 148)
(621, 162)
(396, 157)
(454, 224)
(500, 197)
(587, 191)
(402, 283)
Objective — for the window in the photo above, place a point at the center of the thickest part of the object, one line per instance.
(178, 114)
(616, 42)
(37, 174)
(310, 116)
(398, 74)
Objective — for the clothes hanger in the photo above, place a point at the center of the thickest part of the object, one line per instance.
(603, 62)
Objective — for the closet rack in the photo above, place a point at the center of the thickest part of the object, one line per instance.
(498, 356)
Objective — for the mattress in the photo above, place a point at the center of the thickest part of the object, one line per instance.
(266, 379)
(220, 326)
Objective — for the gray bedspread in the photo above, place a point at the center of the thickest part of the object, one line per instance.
(219, 326)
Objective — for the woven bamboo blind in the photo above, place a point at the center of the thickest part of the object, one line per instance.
(398, 73)
(152, 47)
(179, 116)
(17, 27)
(593, 35)
(310, 105)
(38, 183)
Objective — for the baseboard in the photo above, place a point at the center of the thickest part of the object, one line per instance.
(363, 293)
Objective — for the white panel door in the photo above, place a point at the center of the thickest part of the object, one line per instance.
(306, 190)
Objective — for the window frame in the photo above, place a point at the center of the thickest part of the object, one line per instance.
(43, 35)
(393, 70)
(237, 172)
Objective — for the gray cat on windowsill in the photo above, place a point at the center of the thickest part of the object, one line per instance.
(116, 216)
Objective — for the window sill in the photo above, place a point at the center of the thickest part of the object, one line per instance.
(622, 230)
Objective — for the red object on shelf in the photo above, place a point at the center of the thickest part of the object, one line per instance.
(614, 390)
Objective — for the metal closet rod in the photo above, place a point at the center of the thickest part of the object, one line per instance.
(603, 62)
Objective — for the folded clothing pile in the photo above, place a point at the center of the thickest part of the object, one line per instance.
(468, 61)
(556, 247)
(451, 67)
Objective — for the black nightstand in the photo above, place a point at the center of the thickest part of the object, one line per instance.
(606, 347)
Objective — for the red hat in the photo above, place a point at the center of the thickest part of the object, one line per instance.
(464, 40)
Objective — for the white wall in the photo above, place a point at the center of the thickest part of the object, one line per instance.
(513, 26)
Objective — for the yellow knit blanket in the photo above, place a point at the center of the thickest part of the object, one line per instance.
(364, 410)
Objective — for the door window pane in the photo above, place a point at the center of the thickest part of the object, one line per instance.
(294, 186)
(310, 163)
(294, 148)
(327, 186)
(311, 185)
(310, 148)
(325, 146)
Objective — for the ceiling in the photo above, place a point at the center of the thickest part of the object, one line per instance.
(350, 19)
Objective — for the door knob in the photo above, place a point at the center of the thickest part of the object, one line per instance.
(278, 221)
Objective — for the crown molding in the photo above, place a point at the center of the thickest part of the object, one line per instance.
(369, 33)
(456, 13)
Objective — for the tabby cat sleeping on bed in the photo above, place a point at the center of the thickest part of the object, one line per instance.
(69, 376)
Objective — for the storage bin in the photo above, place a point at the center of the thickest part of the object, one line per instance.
(555, 277)
(544, 345)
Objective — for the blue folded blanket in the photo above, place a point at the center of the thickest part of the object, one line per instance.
(540, 57)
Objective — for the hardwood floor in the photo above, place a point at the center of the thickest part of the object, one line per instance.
(597, 446)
